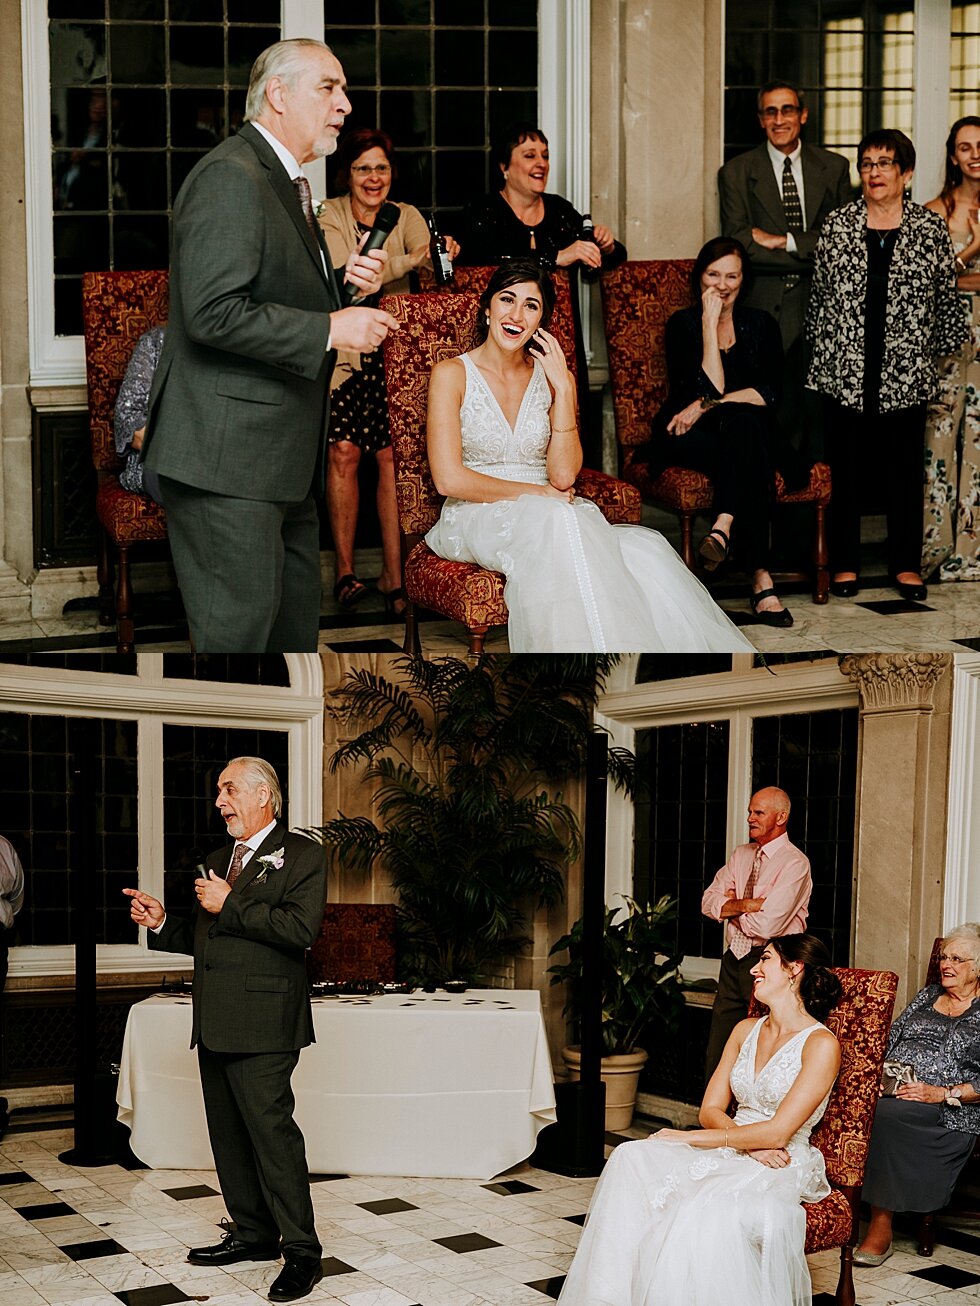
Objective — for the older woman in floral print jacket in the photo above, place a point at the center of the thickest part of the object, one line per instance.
(883, 307)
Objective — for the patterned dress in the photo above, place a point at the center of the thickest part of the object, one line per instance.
(573, 582)
(672, 1224)
(951, 535)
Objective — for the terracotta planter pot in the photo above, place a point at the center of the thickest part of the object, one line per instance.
(620, 1074)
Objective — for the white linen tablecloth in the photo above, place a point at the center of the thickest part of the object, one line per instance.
(451, 1085)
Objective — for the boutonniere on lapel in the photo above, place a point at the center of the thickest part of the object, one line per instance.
(270, 862)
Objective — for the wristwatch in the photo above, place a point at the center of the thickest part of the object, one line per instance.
(953, 1097)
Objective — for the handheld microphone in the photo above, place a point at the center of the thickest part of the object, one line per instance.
(384, 225)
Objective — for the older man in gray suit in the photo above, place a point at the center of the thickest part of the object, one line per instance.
(238, 409)
(259, 909)
(774, 199)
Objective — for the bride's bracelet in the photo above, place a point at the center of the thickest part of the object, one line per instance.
(564, 430)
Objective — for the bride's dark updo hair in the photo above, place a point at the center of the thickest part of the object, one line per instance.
(820, 989)
(512, 273)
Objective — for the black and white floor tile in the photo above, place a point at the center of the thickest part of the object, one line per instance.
(106, 1235)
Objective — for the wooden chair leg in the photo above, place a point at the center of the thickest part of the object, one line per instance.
(105, 576)
(124, 604)
(821, 582)
(845, 1283)
(926, 1234)
(687, 539)
(412, 644)
(477, 635)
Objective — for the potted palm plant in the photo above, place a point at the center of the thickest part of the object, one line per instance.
(473, 827)
(641, 995)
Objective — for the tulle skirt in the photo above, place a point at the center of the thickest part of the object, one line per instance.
(576, 584)
(674, 1225)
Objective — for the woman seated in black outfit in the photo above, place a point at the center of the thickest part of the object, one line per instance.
(520, 220)
(724, 367)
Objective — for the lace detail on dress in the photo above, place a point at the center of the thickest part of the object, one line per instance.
(490, 444)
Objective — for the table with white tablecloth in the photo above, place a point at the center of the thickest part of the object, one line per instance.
(438, 1084)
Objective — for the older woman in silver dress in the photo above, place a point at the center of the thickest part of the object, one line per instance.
(924, 1135)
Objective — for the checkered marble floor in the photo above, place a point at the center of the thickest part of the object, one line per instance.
(110, 1234)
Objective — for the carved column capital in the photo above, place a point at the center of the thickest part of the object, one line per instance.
(888, 682)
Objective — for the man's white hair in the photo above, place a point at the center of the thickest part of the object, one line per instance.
(259, 772)
(285, 60)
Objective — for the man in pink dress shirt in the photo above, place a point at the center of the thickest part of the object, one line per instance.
(762, 892)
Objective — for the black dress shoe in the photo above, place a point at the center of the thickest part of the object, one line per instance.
(299, 1276)
(782, 618)
(915, 593)
(845, 589)
(232, 1249)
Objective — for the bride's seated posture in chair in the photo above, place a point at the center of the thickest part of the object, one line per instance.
(697, 1217)
(503, 446)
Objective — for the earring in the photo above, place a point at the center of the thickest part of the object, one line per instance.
(487, 316)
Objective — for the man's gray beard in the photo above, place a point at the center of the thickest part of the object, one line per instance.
(236, 829)
(321, 150)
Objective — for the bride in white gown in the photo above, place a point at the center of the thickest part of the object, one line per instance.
(503, 447)
(698, 1217)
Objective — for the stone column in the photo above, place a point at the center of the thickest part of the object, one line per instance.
(902, 784)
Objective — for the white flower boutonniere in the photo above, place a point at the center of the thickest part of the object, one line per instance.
(270, 862)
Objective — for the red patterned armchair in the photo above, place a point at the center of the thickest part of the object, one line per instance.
(356, 942)
(861, 1023)
(117, 308)
(637, 300)
(437, 326)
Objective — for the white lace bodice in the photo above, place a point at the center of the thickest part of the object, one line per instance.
(759, 1097)
(490, 444)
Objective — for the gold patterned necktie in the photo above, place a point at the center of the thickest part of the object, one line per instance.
(792, 207)
(739, 944)
(237, 857)
(306, 202)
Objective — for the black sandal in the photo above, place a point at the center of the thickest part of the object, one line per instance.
(391, 598)
(349, 591)
(783, 618)
(713, 549)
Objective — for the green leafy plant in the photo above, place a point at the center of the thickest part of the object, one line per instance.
(474, 828)
(640, 985)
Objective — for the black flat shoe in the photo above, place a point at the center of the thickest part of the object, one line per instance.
(232, 1249)
(782, 619)
(713, 549)
(845, 589)
(914, 593)
(299, 1277)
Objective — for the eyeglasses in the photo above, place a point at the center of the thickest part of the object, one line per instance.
(883, 165)
(365, 169)
(957, 961)
(775, 111)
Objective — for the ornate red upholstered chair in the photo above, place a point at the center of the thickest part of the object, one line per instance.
(861, 1023)
(437, 326)
(637, 300)
(356, 942)
(968, 1211)
(117, 308)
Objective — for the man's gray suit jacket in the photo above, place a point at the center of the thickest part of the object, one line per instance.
(251, 992)
(239, 400)
(751, 198)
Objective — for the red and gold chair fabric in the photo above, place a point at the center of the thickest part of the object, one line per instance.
(637, 300)
(861, 1023)
(117, 308)
(356, 942)
(433, 327)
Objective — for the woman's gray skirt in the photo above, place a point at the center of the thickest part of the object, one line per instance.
(913, 1163)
